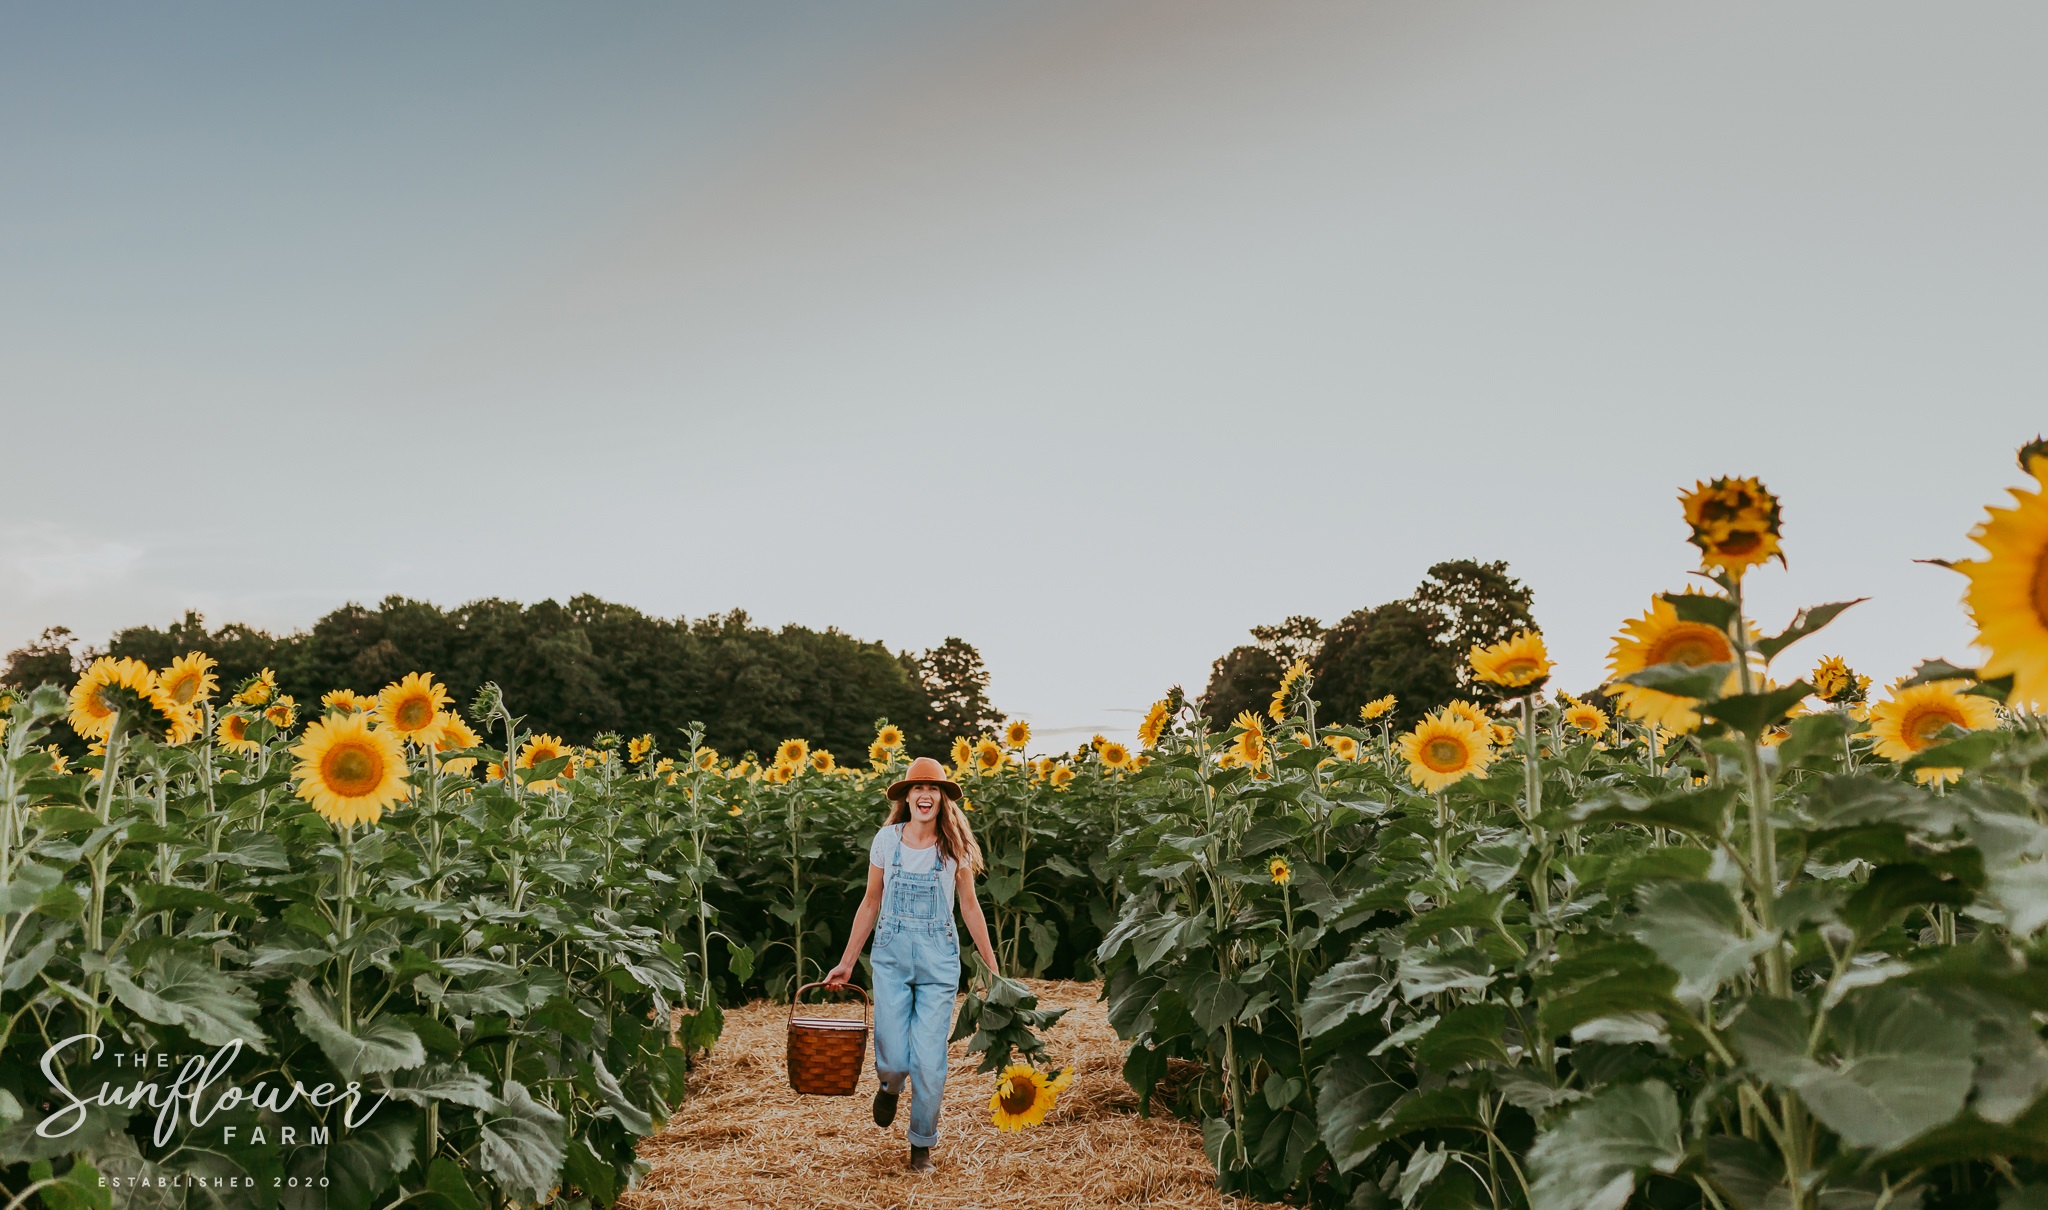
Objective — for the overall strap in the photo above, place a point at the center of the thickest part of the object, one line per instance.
(896, 857)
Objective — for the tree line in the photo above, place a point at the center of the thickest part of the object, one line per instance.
(589, 667)
(1413, 648)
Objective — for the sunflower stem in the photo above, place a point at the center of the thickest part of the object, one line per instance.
(345, 914)
(1539, 882)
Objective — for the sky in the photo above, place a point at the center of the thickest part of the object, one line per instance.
(1093, 333)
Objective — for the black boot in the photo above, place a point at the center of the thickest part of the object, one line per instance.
(920, 1158)
(885, 1106)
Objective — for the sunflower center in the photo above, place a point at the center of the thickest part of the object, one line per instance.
(1922, 726)
(1019, 1094)
(413, 713)
(1521, 666)
(1443, 754)
(352, 770)
(184, 689)
(1740, 542)
(1690, 644)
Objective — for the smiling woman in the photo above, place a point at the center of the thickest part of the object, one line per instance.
(925, 855)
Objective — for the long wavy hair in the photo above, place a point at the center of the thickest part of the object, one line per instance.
(956, 835)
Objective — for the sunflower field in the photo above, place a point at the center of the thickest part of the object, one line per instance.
(389, 952)
(1740, 931)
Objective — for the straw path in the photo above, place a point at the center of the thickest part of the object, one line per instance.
(745, 1139)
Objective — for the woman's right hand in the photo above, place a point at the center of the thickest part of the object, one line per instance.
(839, 976)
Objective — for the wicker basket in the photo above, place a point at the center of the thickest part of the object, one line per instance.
(826, 1053)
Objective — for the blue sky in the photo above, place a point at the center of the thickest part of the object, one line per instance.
(1143, 323)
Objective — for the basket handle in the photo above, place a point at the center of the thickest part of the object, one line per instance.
(865, 1004)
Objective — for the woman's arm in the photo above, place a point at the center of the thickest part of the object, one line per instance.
(977, 924)
(863, 924)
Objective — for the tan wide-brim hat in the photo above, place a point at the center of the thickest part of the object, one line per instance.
(924, 771)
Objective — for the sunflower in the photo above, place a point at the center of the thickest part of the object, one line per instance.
(1099, 740)
(779, 774)
(822, 761)
(1501, 736)
(637, 750)
(1734, 523)
(988, 756)
(963, 752)
(412, 707)
(1444, 749)
(1278, 706)
(890, 736)
(1016, 734)
(347, 701)
(1376, 708)
(106, 687)
(1344, 746)
(1659, 637)
(705, 758)
(537, 750)
(1520, 663)
(1154, 726)
(1913, 720)
(1590, 721)
(2008, 593)
(1278, 868)
(175, 724)
(189, 680)
(454, 736)
(1115, 756)
(1022, 1098)
(1469, 712)
(1830, 678)
(233, 734)
(60, 764)
(1250, 745)
(1060, 777)
(283, 712)
(734, 810)
(257, 689)
(879, 755)
(349, 771)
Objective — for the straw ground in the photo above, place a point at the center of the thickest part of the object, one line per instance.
(745, 1139)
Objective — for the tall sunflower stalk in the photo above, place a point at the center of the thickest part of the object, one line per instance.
(699, 829)
(1222, 905)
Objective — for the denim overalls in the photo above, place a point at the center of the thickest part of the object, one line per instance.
(916, 960)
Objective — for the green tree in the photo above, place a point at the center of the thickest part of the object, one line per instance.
(1415, 648)
(955, 685)
(591, 666)
(1245, 677)
(50, 658)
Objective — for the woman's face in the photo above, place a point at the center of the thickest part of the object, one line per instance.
(924, 802)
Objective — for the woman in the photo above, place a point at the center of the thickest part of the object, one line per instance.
(922, 860)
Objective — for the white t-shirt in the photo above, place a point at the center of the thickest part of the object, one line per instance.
(881, 850)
